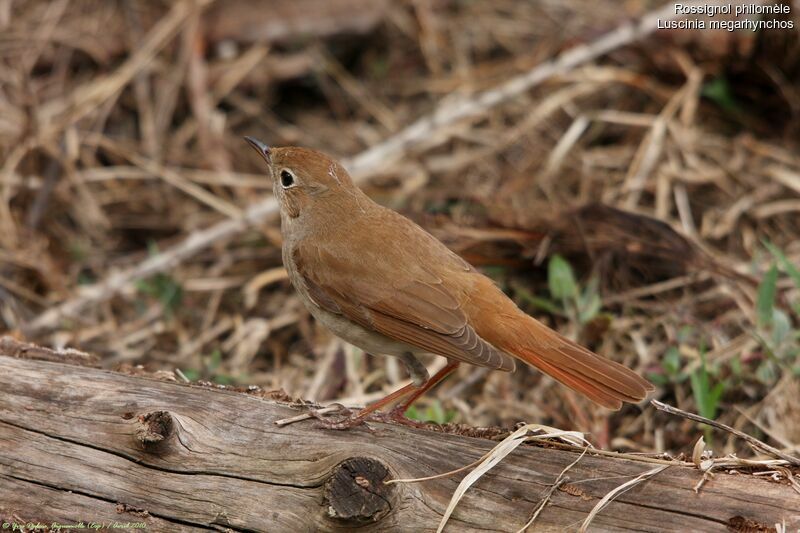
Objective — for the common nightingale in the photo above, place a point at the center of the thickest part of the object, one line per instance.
(382, 283)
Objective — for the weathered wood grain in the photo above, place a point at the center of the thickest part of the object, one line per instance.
(75, 442)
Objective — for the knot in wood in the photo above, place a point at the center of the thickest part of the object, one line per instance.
(355, 492)
(740, 524)
(154, 427)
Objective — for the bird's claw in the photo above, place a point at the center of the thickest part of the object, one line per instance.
(398, 416)
(350, 419)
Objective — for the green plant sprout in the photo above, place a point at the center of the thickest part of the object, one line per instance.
(567, 297)
(162, 286)
(706, 396)
(434, 413)
(775, 330)
(211, 366)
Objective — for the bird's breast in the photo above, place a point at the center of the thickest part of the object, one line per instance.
(368, 340)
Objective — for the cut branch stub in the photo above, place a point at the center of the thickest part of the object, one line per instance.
(153, 428)
(356, 494)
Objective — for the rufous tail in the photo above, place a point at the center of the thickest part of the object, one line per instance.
(603, 381)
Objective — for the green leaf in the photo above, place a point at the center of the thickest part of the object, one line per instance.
(412, 414)
(792, 270)
(191, 374)
(658, 379)
(224, 379)
(78, 251)
(736, 367)
(545, 305)
(766, 372)
(589, 302)
(719, 91)
(699, 381)
(213, 361)
(497, 273)
(436, 413)
(671, 362)
(165, 288)
(716, 396)
(685, 334)
(781, 327)
(560, 278)
(766, 296)
(85, 278)
(706, 397)
(540, 303)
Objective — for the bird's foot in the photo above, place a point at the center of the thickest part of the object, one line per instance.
(394, 416)
(398, 416)
(347, 419)
(341, 422)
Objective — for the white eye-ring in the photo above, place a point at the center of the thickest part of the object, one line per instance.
(287, 179)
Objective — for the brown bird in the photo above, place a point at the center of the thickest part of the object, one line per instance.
(384, 284)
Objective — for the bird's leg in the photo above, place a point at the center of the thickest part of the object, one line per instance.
(362, 415)
(416, 370)
(419, 377)
(398, 413)
(420, 382)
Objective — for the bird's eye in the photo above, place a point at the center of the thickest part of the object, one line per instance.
(287, 179)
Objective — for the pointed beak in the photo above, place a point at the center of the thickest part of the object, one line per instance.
(261, 148)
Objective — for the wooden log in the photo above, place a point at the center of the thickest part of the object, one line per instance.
(82, 444)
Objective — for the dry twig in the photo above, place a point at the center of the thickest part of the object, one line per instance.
(759, 445)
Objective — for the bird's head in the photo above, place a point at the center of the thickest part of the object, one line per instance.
(304, 179)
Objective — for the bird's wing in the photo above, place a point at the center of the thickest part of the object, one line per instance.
(387, 287)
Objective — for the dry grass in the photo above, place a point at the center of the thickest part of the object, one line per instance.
(120, 134)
